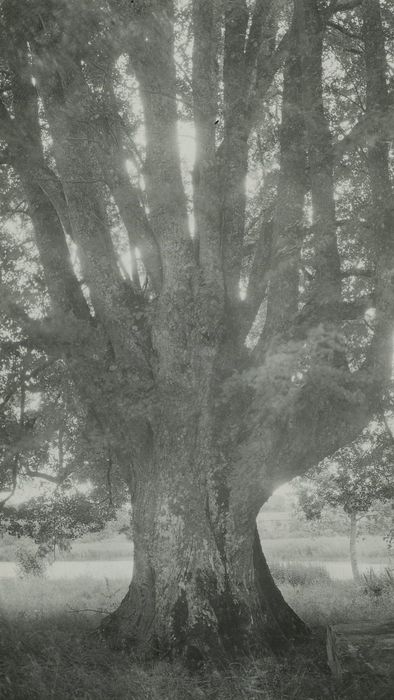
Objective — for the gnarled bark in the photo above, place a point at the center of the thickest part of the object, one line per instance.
(185, 598)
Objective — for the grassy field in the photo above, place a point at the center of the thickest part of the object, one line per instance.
(372, 548)
(49, 648)
(117, 547)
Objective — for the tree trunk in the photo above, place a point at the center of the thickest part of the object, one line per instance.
(183, 600)
(353, 547)
(282, 623)
(190, 595)
(132, 625)
(179, 574)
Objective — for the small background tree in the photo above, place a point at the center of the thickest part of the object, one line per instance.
(359, 482)
(53, 522)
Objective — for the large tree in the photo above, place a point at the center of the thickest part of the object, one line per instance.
(233, 358)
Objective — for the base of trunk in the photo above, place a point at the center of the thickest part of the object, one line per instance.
(132, 625)
(281, 626)
(206, 622)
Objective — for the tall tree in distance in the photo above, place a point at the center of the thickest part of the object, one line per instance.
(234, 354)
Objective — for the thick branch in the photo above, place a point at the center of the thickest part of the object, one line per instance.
(67, 103)
(381, 351)
(234, 153)
(344, 6)
(357, 272)
(24, 144)
(351, 310)
(136, 222)
(54, 479)
(155, 69)
(243, 99)
(205, 175)
(343, 30)
(258, 278)
(366, 129)
(110, 154)
(14, 481)
(260, 16)
(267, 73)
(288, 222)
(8, 132)
(327, 285)
(41, 187)
(53, 188)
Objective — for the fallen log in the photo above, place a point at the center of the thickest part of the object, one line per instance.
(362, 649)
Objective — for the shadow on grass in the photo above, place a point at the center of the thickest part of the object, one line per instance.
(49, 648)
(61, 657)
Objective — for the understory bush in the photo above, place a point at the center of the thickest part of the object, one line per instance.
(320, 548)
(31, 560)
(378, 584)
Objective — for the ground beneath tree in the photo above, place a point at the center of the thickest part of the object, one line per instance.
(49, 648)
(61, 657)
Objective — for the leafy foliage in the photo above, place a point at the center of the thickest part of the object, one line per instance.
(379, 584)
(31, 560)
(53, 521)
(358, 476)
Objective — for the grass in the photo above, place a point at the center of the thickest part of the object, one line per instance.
(372, 548)
(35, 597)
(117, 547)
(69, 665)
(49, 648)
(340, 601)
(297, 574)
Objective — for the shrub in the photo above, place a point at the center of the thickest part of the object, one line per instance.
(378, 584)
(31, 560)
(297, 574)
